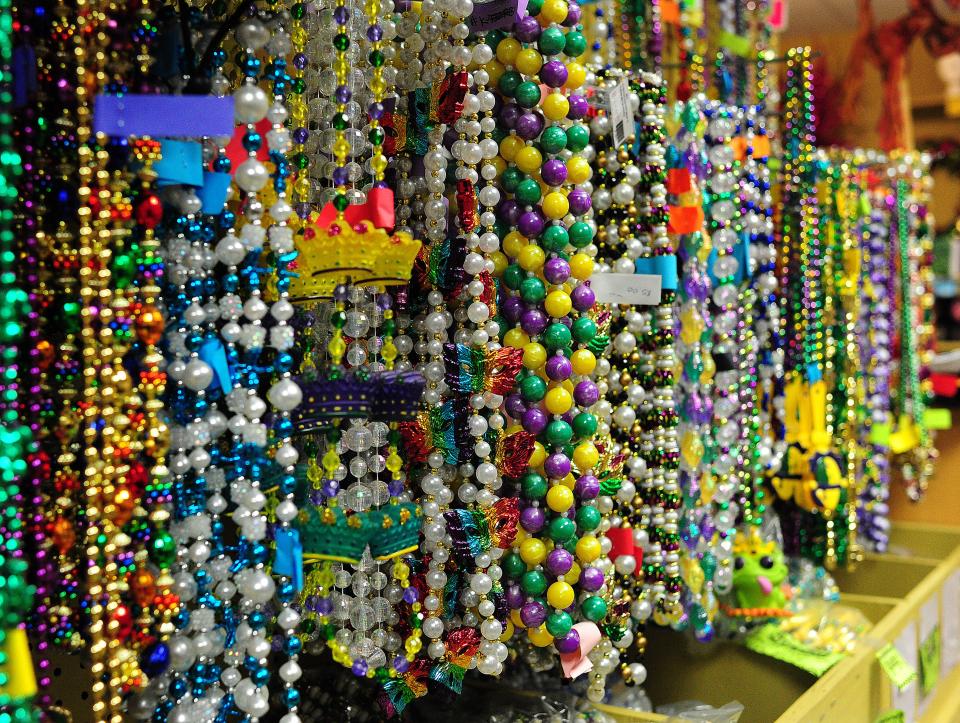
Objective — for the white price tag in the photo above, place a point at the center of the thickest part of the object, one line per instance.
(906, 699)
(950, 624)
(629, 289)
(620, 117)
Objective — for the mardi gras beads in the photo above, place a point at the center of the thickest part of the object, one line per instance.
(38, 155)
(539, 233)
(16, 684)
(686, 159)
(64, 379)
(284, 394)
(725, 268)
(912, 232)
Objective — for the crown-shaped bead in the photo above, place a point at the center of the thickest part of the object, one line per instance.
(359, 254)
(751, 544)
(396, 530)
(327, 533)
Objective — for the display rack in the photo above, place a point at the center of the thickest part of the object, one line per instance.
(905, 593)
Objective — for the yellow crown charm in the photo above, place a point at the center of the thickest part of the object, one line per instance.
(344, 253)
(751, 544)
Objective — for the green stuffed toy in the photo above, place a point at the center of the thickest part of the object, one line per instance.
(758, 572)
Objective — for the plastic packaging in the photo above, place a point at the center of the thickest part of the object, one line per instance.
(694, 710)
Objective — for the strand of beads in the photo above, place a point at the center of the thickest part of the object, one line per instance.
(914, 301)
(849, 387)
(284, 394)
(759, 226)
(302, 190)
(148, 476)
(38, 154)
(728, 318)
(911, 400)
(686, 157)
(479, 332)
(658, 445)
(15, 435)
(98, 354)
(876, 328)
(548, 346)
(63, 327)
(618, 193)
(189, 295)
(250, 433)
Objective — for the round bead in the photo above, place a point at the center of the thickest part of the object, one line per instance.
(555, 205)
(588, 518)
(559, 499)
(528, 61)
(533, 551)
(581, 266)
(560, 595)
(527, 94)
(557, 336)
(561, 530)
(533, 486)
(539, 636)
(552, 40)
(576, 75)
(531, 258)
(529, 159)
(558, 304)
(578, 170)
(556, 106)
(584, 362)
(509, 147)
(554, 11)
(558, 401)
(559, 624)
(584, 425)
(533, 388)
(507, 50)
(533, 583)
(588, 548)
(594, 608)
(553, 139)
(586, 456)
(527, 193)
(534, 355)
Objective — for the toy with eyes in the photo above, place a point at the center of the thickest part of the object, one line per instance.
(759, 574)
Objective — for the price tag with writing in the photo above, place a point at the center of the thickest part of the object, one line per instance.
(930, 661)
(641, 289)
(891, 716)
(621, 119)
(900, 672)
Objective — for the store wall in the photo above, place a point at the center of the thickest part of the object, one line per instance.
(924, 91)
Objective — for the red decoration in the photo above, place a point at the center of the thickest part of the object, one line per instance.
(378, 210)
(685, 219)
(678, 181)
(238, 154)
(467, 205)
(944, 385)
(453, 90)
(885, 46)
(150, 212)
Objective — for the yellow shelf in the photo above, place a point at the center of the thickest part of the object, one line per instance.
(892, 590)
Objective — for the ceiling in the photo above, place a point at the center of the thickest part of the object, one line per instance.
(825, 16)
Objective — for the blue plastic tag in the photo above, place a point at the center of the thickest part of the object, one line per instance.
(181, 162)
(213, 192)
(212, 352)
(163, 116)
(663, 266)
(288, 560)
